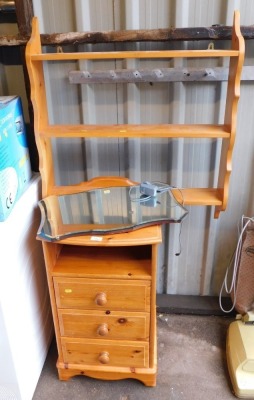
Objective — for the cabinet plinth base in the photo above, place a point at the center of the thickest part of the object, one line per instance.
(145, 375)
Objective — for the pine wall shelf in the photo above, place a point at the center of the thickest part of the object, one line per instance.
(217, 196)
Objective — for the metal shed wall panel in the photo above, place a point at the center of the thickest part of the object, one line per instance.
(206, 244)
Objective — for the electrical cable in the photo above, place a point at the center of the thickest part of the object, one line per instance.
(138, 199)
(165, 187)
(234, 263)
(179, 239)
(149, 191)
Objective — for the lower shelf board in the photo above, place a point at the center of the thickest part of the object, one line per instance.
(145, 375)
(199, 196)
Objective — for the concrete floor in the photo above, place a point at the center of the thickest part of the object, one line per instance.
(191, 366)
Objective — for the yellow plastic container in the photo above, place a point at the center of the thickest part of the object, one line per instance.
(240, 358)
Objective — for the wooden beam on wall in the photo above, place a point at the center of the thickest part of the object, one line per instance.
(24, 12)
(213, 33)
(216, 32)
(158, 75)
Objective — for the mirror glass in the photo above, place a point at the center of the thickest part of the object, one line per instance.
(104, 211)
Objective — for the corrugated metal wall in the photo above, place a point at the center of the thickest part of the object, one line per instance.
(206, 244)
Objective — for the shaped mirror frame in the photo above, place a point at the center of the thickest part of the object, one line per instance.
(105, 211)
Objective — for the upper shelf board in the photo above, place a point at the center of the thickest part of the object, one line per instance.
(134, 54)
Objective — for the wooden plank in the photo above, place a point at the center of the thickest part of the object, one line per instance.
(135, 262)
(24, 12)
(119, 294)
(120, 353)
(217, 74)
(39, 101)
(213, 33)
(13, 40)
(98, 324)
(153, 319)
(149, 75)
(155, 54)
(230, 117)
(144, 236)
(135, 131)
(199, 196)
(100, 182)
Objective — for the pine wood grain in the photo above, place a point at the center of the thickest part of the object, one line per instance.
(230, 119)
(107, 262)
(145, 375)
(108, 276)
(120, 294)
(134, 54)
(120, 325)
(139, 237)
(130, 354)
(200, 131)
(226, 132)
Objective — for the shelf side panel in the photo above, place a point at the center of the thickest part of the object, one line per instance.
(39, 102)
(233, 94)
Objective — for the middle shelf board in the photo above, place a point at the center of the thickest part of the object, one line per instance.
(137, 131)
(103, 55)
(199, 196)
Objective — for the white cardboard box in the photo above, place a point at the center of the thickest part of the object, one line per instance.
(26, 327)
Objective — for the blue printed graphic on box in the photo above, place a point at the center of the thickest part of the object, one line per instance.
(15, 169)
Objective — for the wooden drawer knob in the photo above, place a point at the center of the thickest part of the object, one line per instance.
(102, 330)
(104, 357)
(100, 299)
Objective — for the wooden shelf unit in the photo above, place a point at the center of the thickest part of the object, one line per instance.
(44, 131)
(91, 324)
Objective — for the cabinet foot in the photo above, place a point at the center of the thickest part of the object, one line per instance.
(146, 375)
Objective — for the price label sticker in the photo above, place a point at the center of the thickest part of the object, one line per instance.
(107, 191)
(96, 238)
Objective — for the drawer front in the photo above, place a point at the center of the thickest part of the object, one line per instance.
(106, 353)
(116, 325)
(104, 294)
